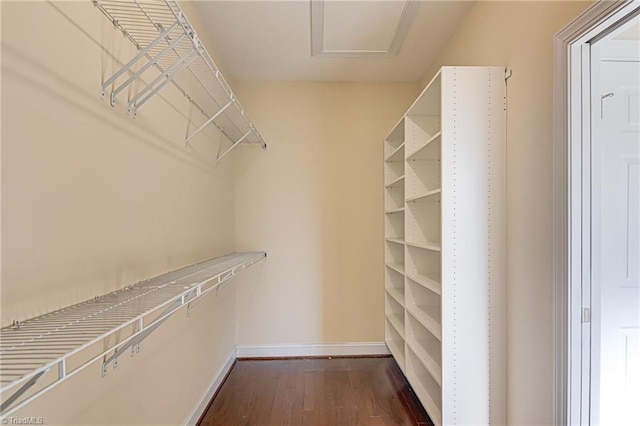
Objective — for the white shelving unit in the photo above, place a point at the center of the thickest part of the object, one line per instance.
(167, 41)
(445, 245)
(41, 353)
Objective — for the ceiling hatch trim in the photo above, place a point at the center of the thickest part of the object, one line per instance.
(318, 36)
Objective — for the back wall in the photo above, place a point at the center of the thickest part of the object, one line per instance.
(314, 202)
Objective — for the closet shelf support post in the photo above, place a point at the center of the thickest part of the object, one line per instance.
(17, 394)
(168, 76)
(235, 144)
(210, 120)
(136, 58)
(146, 66)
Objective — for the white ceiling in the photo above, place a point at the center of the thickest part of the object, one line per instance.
(272, 40)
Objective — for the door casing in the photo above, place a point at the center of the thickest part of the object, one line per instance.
(572, 123)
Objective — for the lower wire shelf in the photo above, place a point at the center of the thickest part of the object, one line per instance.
(54, 347)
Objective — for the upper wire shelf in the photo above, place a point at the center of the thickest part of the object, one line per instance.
(167, 41)
(40, 353)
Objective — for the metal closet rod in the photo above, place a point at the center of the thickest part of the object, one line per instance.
(166, 39)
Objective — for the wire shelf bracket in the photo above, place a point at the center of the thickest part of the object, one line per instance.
(38, 354)
(167, 41)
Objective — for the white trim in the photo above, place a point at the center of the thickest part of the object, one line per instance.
(197, 412)
(337, 349)
(568, 129)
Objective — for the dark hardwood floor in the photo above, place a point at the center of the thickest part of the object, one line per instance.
(315, 391)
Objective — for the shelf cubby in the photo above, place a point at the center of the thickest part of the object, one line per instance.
(397, 267)
(425, 305)
(395, 343)
(393, 170)
(393, 253)
(426, 346)
(420, 130)
(394, 284)
(394, 226)
(395, 315)
(424, 267)
(397, 293)
(429, 102)
(394, 140)
(396, 155)
(429, 150)
(423, 384)
(394, 197)
(422, 176)
(430, 281)
(423, 224)
(398, 182)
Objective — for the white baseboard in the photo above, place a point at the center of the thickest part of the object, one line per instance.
(213, 387)
(338, 349)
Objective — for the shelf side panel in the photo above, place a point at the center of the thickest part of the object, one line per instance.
(473, 147)
(497, 245)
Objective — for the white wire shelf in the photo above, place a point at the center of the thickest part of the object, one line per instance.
(167, 41)
(60, 344)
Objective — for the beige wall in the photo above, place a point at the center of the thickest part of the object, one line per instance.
(93, 200)
(519, 35)
(314, 202)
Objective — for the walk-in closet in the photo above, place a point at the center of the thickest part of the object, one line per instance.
(278, 212)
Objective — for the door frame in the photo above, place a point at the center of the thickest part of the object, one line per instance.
(571, 228)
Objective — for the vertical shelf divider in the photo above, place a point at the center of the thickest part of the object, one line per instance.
(394, 208)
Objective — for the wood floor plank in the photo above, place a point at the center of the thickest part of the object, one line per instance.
(309, 392)
(315, 391)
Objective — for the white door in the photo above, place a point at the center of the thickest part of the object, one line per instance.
(615, 249)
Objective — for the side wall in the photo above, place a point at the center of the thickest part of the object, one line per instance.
(93, 200)
(314, 202)
(519, 35)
